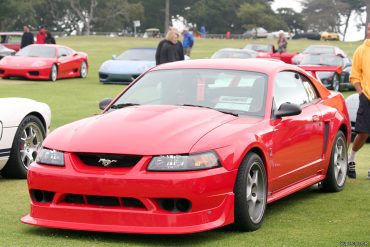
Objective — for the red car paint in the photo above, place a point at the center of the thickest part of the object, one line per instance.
(38, 68)
(11, 40)
(295, 152)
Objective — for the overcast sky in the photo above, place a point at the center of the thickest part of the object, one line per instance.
(352, 34)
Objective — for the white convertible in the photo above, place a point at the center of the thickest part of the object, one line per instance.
(23, 126)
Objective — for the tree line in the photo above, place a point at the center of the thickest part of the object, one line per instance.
(218, 16)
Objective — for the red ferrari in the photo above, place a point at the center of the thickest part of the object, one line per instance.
(45, 62)
(191, 146)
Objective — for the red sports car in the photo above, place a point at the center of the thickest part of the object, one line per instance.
(191, 146)
(45, 62)
(269, 51)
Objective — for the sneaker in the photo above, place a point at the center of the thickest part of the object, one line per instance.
(351, 173)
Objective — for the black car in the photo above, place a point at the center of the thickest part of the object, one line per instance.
(331, 80)
(308, 35)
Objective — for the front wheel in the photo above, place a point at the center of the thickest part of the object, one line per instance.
(53, 73)
(27, 141)
(250, 193)
(337, 170)
(83, 69)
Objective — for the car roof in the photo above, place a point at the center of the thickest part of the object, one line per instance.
(142, 48)
(50, 45)
(11, 33)
(261, 65)
(237, 50)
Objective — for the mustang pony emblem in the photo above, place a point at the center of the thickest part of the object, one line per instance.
(106, 162)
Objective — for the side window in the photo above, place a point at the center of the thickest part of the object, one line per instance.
(62, 52)
(14, 39)
(289, 87)
(310, 89)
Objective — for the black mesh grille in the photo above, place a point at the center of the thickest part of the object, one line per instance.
(34, 73)
(103, 200)
(107, 201)
(103, 76)
(109, 160)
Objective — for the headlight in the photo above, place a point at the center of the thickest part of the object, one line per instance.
(50, 157)
(189, 162)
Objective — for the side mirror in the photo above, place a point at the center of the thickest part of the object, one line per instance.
(114, 57)
(104, 103)
(288, 109)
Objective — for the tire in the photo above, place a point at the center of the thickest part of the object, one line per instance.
(335, 83)
(337, 170)
(83, 69)
(53, 73)
(27, 140)
(250, 194)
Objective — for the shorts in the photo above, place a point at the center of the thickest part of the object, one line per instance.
(363, 115)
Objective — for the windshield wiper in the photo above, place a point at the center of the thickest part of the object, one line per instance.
(119, 106)
(219, 110)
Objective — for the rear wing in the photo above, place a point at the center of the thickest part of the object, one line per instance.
(315, 69)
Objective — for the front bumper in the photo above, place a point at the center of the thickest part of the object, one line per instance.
(29, 73)
(110, 78)
(210, 193)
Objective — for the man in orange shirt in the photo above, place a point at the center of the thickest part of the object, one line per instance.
(360, 78)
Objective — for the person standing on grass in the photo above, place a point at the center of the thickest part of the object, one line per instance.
(170, 49)
(360, 78)
(41, 35)
(27, 37)
(187, 42)
(49, 38)
(282, 42)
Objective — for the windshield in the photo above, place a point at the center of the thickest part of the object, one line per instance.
(232, 54)
(237, 92)
(322, 59)
(319, 50)
(259, 47)
(138, 54)
(37, 51)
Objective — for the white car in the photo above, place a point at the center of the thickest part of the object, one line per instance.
(24, 124)
(352, 103)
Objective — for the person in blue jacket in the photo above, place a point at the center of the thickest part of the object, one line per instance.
(187, 42)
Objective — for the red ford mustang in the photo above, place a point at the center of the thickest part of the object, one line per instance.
(191, 146)
(45, 62)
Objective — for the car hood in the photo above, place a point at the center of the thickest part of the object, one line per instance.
(26, 61)
(141, 130)
(13, 110)
(125, 66)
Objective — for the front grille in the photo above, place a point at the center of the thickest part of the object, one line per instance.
(103, 76)
(1, 71)
(34, 73)
(109, 160)
(104, 201)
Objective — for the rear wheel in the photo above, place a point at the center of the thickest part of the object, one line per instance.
(336, 82)
(53, 73)
(337, 170)
(27, 141)
(83, 69)
(250, 193)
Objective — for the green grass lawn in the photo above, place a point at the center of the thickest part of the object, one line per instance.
(307, 218)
